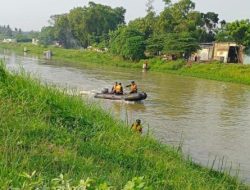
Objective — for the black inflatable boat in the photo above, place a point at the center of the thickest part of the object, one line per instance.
(127, 97)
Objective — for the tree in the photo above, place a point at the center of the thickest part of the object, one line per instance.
(179, 44)
(238, 31)
(208, 27)
(47, 35)
(92, 24)
(210, 20)
(78, 26)
(62, 32)
(145, 25)
(167, 2)
(181, 9)
(181, 17)
(33, 34)
(6, 32)
(88, 25)
(23, 38)
(149, 6)
(128, 43)
(155, 44)
(173, 17)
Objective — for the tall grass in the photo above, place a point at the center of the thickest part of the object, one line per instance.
(236, 73)
(219, 71)
(45, 130)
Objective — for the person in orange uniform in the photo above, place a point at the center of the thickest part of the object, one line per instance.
(114, 87)
(133, 87)
(119, 89)
(136, 127)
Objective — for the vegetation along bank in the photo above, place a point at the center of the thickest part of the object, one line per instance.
(45, 133)
(215, 71)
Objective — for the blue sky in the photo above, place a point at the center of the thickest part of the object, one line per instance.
(33, 14)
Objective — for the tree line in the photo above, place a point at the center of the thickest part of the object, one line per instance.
(6, 32)
(177, 30)
(83, 26)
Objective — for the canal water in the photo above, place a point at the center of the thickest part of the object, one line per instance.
(209, 119)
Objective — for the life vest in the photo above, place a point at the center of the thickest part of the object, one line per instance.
(114, 87)
(136, 128)
(118, 89)
(133, 88)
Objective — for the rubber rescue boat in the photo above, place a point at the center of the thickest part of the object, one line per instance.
(127, 97)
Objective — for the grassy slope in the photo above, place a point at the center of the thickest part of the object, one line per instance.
(48, 131)
(214, 71)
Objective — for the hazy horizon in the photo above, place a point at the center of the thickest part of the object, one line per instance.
(34, 14)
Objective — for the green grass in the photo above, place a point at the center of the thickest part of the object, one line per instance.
(45, 130)
(236, 73)
(74, 56)
(221, 72)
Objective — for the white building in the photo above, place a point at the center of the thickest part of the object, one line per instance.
(227, 52)
(8, 40)
(35, 41)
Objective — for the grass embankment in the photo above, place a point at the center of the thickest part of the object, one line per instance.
(47, 131)
(77, 56)
(214, 71)
(236, 73)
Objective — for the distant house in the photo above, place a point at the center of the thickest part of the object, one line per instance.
(227, 52)
(206, 52)
(35, 41)
(9, 40)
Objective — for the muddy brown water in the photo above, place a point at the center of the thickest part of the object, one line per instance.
(210, 119)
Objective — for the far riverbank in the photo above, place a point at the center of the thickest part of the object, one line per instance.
(213, 71)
